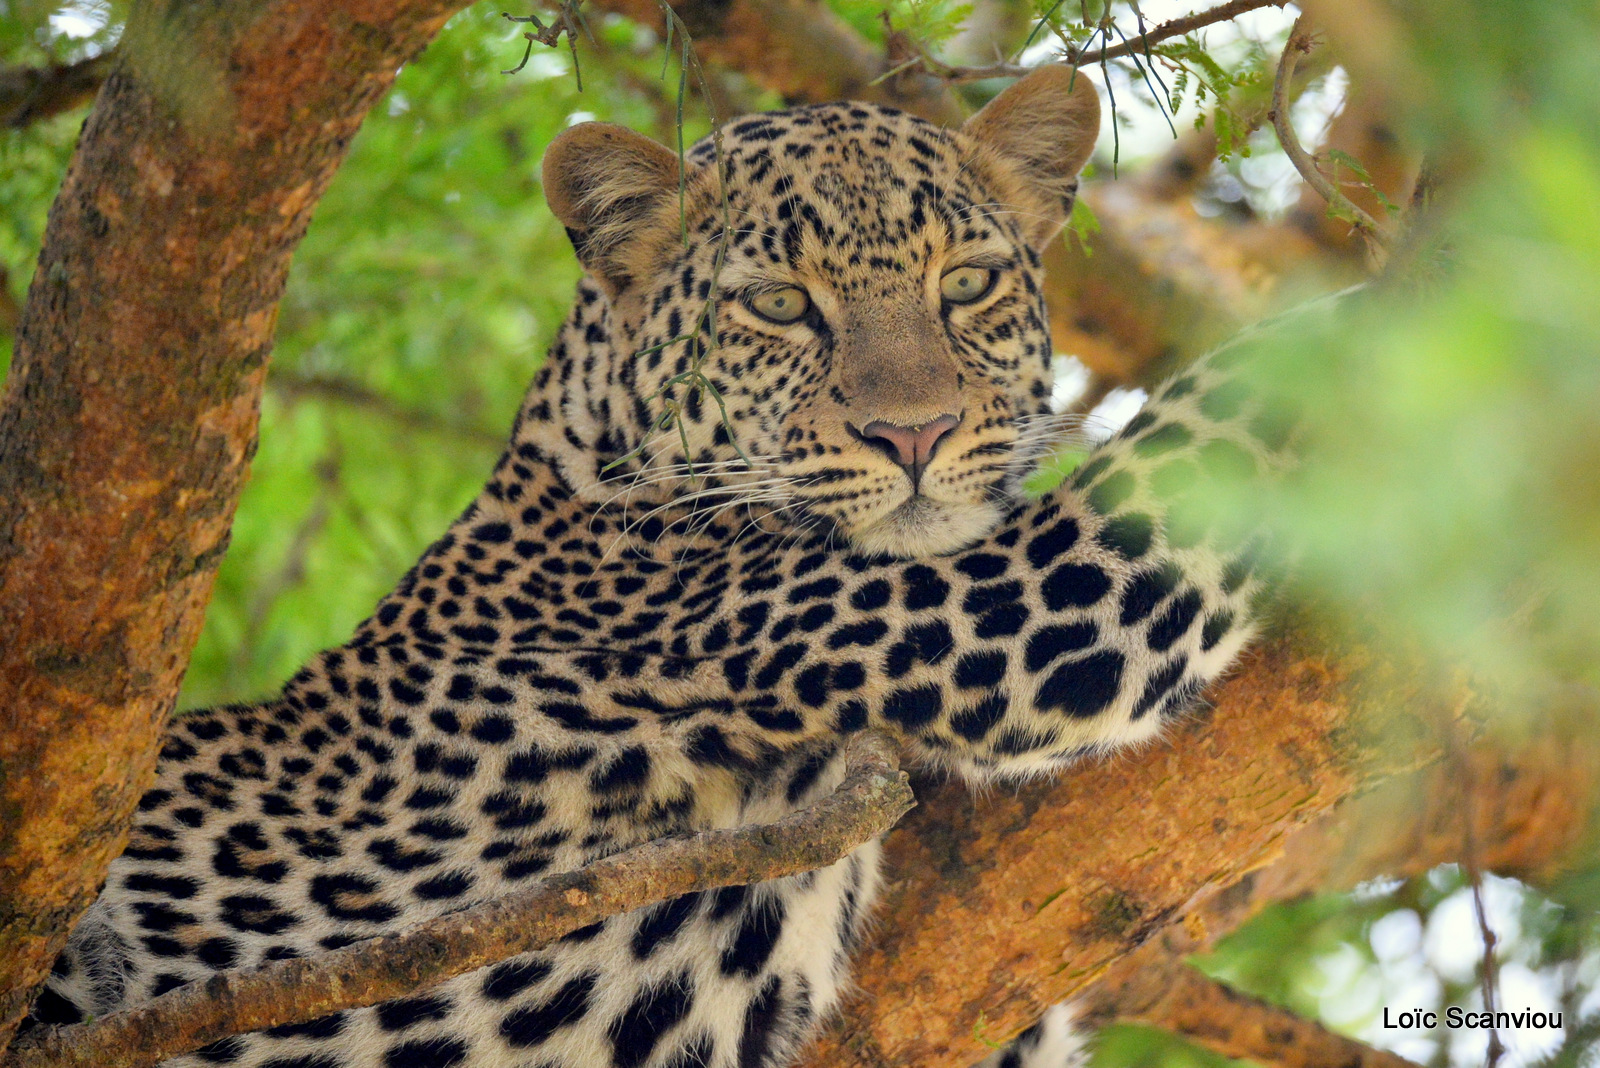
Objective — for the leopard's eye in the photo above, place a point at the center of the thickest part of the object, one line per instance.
(966, 284)
(781, 305)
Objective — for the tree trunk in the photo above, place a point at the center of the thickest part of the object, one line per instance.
(129, 417)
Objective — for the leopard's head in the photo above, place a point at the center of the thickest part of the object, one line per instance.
(881, 347)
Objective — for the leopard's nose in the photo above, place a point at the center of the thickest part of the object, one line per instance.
(909, 446)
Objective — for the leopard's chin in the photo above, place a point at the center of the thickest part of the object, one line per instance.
(922, 526)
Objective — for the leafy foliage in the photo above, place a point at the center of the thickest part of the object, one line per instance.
(1453, 502)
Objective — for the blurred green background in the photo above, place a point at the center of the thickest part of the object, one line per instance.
(1453, 506)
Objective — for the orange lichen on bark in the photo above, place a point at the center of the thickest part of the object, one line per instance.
(129, 414)
(1000, 905)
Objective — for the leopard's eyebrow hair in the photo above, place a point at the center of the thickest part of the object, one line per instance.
(983, 256)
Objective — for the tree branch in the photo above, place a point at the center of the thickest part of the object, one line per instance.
(798, 48)
(129, 415)
(997, 907)
(1176, 997)
(354, 394)
(10, 310)
(29, 94)
(872, 796)
(1077, 57)
(1530, 809)
(1300, 42)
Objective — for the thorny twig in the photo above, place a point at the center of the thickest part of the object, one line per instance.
(871, 798)
(703, 337)
(566, 22)
(1340, 205)
(1084, 56)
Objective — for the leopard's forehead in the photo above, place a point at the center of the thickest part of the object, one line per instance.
(856, 143)
(850, 178)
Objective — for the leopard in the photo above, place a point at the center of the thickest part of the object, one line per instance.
(770, 488)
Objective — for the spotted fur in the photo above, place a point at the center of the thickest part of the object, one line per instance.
(636, 631)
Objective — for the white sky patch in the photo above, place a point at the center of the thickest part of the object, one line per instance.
(1109, 416)
(1113, 413)
(1141, 131)
(1072, 378)
(542, 66)
(84, 18)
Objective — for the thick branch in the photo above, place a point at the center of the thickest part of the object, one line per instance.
(1000, 906)
(129, 414)
(1175, 997)
(29, 94)
(871, 798)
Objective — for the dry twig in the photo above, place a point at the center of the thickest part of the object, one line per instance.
(29, 94)
(1300, 43)
(293, 386)
(872, 797)
(1489, 969)
(1083, 57)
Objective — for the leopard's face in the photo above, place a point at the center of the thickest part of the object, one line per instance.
(881, 362)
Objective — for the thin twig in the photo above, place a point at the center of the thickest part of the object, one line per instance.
(1129, 46)
(1489, 970)
(566, 24)
(293, 386)
(872, 797)
(10, 307)
(1299, 43)
(30, 94)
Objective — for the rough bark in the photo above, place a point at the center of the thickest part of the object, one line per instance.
(1099, 885)
(996, 907)
(129, 415)
(1531, 806)
(1175, 997)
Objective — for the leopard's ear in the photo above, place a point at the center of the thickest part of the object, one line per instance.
(604, 182)
(1044, 128)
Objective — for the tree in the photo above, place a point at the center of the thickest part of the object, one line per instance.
(130, 408)
(1146, 296)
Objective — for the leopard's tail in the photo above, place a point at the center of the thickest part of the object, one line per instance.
(1053, 1042)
